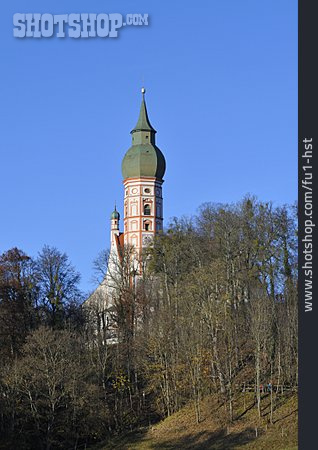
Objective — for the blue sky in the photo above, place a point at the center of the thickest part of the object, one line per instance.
(221, 79)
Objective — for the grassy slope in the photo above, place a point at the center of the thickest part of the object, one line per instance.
(181, 432)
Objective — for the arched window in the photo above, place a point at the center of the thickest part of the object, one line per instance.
(134, 211)
(147, 226)
(147, 210)
(134, 240)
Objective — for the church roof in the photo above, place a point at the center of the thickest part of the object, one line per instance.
(120, 243)
(115, 214)
(143, 123)
(143, 158)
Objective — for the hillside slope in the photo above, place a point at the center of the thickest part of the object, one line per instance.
(246, 432)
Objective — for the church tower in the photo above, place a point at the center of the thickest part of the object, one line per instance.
(114, 227)
(143, 168)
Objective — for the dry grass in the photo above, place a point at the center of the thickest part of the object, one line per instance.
(180, 431)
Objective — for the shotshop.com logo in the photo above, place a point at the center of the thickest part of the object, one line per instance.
(74, 25)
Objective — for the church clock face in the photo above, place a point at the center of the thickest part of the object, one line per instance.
(146, 240)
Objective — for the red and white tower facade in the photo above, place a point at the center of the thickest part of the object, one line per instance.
(143, 168)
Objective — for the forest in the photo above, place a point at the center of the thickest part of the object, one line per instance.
(214, 312)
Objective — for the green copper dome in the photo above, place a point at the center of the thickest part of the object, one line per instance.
(115, 214)
(143, 159)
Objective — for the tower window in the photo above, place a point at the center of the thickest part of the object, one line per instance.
(147, 226)
(147, 210)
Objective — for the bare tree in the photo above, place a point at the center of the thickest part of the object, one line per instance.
(58, 283)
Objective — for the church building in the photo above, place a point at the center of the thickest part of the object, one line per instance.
(143, 168)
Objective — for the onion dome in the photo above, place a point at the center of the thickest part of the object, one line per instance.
(115, 214)
(143, 158)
